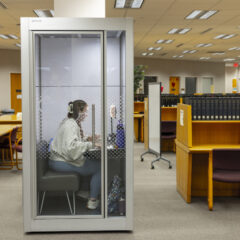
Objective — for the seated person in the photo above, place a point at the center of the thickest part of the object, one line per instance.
(68, 147)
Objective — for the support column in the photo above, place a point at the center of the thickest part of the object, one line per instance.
(79, 8)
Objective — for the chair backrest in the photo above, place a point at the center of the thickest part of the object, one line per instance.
(14, 134)
(168, 126)
(226, 159)
(42, 158)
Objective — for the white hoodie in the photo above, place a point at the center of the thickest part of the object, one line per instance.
(68, 145)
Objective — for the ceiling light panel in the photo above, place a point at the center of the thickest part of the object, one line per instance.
(185, 30)
(44, 12)
(3, 5)
(229, 36)
(194, 14)
(158, 48)
(151, 48)
(12, 36)
(225, 36)
(128, 3)
(208, 14)
(150, 54)
(205, 58)
(144, 54)
(168, 41)
(160, 41)
(18, 44)
(229, 59)
(4, 36)
(137, 3)
(173, 31)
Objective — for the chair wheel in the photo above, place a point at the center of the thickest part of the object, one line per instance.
(152, 167)
(170, 167)
(142, 159)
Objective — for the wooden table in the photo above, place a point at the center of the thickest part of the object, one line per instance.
(6, 128)
(10, 119)
(138, 126)
(194, 144)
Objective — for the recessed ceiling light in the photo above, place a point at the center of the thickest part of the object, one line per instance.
(137, 3)
(160, 41)
(225, 36)
(120, 3)
(186, 51)
(200, 45)
(12, 36)
(151, 48)
(175, 56)
(3, 5)
(18, 44)
(185, 30)
(229, 59)
(144, 54)
(150, 54)
(128, 3)
(229, 36)
(193, 51)
(4, 36)
(205, 58)
(218, 53)
(158, 48)
(168, 41)
(208, 14)
(44, 12)
(208, 45)
(233, 48)
(172, 31)
(181, 56)
(193, 14)
(220, 36)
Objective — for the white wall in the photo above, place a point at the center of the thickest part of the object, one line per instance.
(163, 69)
(230, 74)
(9, 63)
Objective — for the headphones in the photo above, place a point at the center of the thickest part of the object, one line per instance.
(70, 108)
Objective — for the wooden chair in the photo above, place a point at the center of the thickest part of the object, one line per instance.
(224, 166)
(7, 146)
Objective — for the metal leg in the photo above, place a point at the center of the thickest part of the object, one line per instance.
(161, 158)
(150, 152)
(74, 204)
(43, 197)
(69, 203)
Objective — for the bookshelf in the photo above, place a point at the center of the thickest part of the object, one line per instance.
(194, 144)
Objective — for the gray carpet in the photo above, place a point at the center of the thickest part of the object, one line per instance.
(160, 213)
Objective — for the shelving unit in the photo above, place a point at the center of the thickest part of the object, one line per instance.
(194, 143)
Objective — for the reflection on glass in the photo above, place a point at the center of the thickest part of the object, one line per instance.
(116, 155)
(68, 120)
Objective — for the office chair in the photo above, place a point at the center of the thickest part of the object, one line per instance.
(225, 167)
(51, 181)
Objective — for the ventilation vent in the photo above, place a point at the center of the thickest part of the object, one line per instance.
(179, 45)
(3, 5)
(208, 30)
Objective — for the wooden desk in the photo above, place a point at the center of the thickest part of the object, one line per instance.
(6, 128)
(138, 127)
(10, 119)
(194, 145)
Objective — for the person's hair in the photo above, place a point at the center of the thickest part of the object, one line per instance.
(75, 107)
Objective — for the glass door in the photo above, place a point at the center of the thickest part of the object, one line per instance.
(68, 93)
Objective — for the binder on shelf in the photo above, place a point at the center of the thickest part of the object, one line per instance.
(225, 108)
(229, 108)
(234, 108)
(194, 108)
(220, 108)
(212, 113)
(237, 108)
(216, 108)
(204, 108)
(199, 108)
(207, 108)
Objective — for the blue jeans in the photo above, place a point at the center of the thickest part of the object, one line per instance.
(90, 168)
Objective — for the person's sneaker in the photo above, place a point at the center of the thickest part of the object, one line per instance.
(83, 194)
(92, 204)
